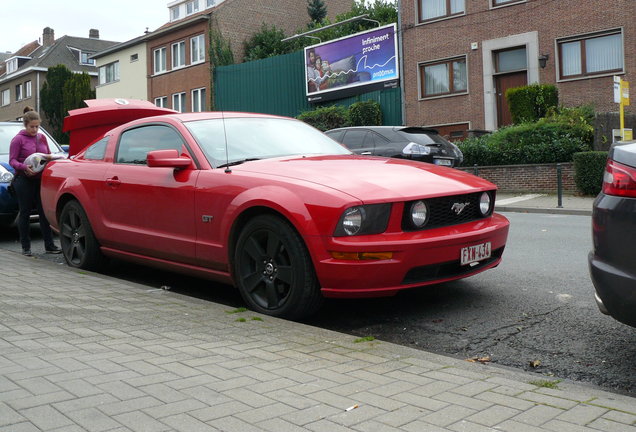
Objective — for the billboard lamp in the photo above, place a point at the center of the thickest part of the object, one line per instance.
(364, 17)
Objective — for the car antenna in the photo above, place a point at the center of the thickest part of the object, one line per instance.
(227, 157)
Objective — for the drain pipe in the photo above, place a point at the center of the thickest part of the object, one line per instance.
(401, 66)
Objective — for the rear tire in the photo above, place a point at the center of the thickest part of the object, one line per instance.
(273, 269)
(79, 245)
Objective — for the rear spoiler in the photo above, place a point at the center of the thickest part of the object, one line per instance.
(85, 125)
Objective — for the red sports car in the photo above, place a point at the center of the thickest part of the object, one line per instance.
(272, 206)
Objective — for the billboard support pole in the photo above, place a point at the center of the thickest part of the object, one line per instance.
(357, 18)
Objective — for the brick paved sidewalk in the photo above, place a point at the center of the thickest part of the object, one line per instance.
(85, 352)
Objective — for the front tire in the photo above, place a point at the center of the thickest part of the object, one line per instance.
(79, 245)
(273, 270)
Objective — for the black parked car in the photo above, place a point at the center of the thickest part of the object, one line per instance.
(613, 260)
(407, 142)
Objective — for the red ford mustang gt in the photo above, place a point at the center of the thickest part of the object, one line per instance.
(271, 205)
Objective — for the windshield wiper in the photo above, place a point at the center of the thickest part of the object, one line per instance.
(238, 162)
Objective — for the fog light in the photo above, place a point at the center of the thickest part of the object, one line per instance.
(419, 213)
(484, 203)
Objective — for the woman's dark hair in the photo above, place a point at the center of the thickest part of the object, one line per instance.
(27, 109)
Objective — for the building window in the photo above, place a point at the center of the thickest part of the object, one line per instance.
(160, 60)
(178, 55)
(198, 100)
(444, 78)
(109, 73)
(162, 101)
(12, 65)
(178, 102)
(591, 55)
(134, 57)
(192, 7)
(27, 89)
(174, 13)
(210, 3)
(435, 9)
(18, 92)
(5, 98)
(197, 49)
(496, 3)
(85, 60)
(511, 60)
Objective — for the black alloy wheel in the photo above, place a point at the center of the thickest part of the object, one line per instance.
(79, 245)
(273, 269)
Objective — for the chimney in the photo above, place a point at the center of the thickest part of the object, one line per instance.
(48, 37)
(93, 34)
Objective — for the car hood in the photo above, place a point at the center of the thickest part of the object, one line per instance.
(371, 178)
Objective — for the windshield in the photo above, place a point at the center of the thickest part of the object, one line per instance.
(10, 130)
(259, 138)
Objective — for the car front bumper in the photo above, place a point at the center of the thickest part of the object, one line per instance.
(418, 258)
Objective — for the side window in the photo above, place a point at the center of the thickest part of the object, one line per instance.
(135, 144)
(354, 139)
(336, 136)
(376, 141)
(97, 150)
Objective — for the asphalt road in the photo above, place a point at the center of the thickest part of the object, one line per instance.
(534, 312)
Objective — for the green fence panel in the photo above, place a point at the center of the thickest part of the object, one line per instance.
(276, 85)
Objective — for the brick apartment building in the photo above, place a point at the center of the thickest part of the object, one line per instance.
(461, 55)
(178, 52)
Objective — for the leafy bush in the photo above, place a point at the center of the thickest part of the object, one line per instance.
(528, 143)
(366, 113)
(588, 171)
(325, 118)
(530, 103)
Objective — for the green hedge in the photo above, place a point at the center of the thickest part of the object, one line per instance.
(367, 113)
(325, 118)
(588, 171)
(532, 102)
(528, 143)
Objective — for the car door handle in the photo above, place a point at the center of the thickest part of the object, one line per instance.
(113, 181)
(366, 153)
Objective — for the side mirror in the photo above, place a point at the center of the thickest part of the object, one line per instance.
(167, 158)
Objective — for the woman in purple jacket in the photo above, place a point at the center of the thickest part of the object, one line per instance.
(27, 182)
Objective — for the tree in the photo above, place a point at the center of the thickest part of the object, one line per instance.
(266, 43)
(63, 91)
(317, 10)
(53, 100)
(76, 90)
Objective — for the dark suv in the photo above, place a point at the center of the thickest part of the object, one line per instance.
(613, 257)
(406, 142)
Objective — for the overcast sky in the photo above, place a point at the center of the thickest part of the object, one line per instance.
(116, 20)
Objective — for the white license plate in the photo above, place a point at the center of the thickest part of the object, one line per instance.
(472, 254)
(444, 162)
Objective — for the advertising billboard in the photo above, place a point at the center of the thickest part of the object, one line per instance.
(359, 63)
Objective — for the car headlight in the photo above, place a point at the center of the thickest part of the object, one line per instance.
(484, 203)
(5, 175)
(364, 219)
(416, 149)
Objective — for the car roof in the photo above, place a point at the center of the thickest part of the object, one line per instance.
(385, 129)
